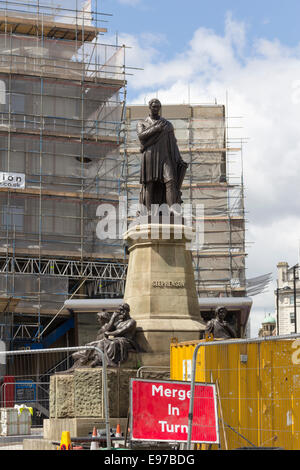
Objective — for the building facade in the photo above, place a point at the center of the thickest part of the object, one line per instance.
(287, 296)
(62, 95)
(268, 326)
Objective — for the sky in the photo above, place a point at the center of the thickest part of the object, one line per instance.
(248, 52)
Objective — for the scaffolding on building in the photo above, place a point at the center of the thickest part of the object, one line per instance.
(64, 150)
(62, 104)
(210, 182)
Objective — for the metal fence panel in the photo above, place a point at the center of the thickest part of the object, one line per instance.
(29, 384)
(259, 387)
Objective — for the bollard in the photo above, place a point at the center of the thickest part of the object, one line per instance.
(65, 441)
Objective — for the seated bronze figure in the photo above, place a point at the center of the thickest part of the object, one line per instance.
(219, 327)
(115, 338)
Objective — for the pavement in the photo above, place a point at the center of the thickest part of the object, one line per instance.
(16, 442)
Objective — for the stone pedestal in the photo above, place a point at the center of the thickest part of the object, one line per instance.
(77, 401)
(160, 287)
(80, 394)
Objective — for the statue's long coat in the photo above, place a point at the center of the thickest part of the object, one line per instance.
(161, 160)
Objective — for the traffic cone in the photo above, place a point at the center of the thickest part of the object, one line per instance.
(118, 434)
(65, 441)
(118, 431)
(94, 444)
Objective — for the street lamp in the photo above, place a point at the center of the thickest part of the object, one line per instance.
(295, 295)
(277, 309)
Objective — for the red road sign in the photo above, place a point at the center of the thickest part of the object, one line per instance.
(159, 411)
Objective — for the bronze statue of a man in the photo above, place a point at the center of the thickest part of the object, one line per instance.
(219, 327)
(162, 168)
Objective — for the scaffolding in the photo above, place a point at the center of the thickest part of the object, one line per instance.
(62, 103)
(64, 150)
(212, 182)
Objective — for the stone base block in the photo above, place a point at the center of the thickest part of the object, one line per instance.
(156, 335)
(78, 427)
(149, 359)
(80, 394)
(84, 397)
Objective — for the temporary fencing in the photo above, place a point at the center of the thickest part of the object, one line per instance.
(163, 371)
(257, 383)
(28, 384)
(258, 388)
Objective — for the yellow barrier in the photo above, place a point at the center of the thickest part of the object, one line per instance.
(259, 389)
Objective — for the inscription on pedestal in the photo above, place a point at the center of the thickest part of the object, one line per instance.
(168, 284)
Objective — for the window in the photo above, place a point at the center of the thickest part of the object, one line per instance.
(2, 92)
(18, 103)
(292, 317)
(13, 218)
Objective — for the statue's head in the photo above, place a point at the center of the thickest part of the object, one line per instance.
(154, 106)
(103, 316)
(221, 312)
(125, 309)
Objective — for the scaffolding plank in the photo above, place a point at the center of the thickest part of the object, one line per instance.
(64, 194)
(8, 304)
(192, 150)
(44, 27)
(81, 137)
(67, 75)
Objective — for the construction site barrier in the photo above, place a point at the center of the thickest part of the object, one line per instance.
(216, 343)
(71, 350)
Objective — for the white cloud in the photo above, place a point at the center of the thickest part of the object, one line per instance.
(263, 86)
(129, 2)
(236, 33)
